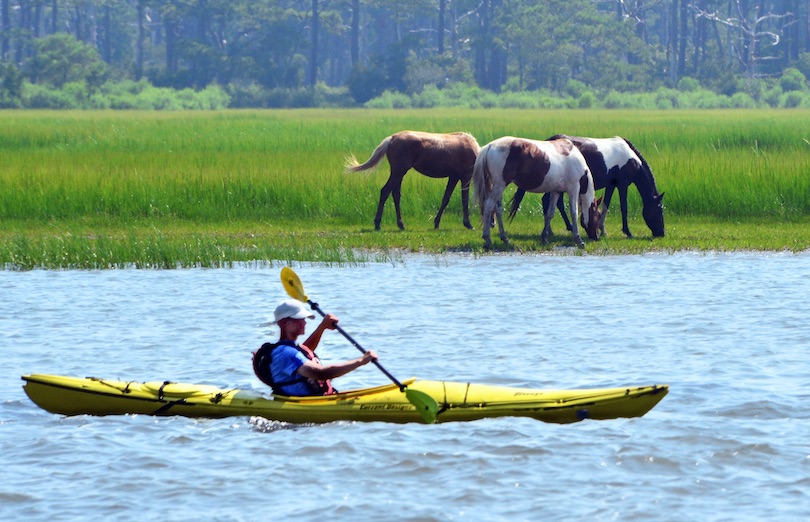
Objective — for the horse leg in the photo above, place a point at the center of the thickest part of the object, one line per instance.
(499, 217)
(465, 205)
(573, 203)
(486, 221)
(384, 193)
(493, 206)
(451, 185)
(546, 199)
(623, 204)
(548, 213)
(605, 204)
(397, 193)
(561, 207)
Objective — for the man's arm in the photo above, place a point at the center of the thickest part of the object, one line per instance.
(328, 323)
(319, 372)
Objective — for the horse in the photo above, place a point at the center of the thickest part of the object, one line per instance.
(615, 164)
(435, 155)
(553, 166)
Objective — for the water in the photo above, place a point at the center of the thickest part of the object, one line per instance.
(728, 332)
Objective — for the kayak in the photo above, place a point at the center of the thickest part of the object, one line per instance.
(457, 401)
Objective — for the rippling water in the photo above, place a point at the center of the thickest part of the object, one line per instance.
(728, 332)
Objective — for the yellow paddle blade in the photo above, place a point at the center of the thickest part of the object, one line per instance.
(292, 284)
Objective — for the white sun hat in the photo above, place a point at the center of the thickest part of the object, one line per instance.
(290, 309)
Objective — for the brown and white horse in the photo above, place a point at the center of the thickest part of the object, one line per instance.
(449, 156)
(553, 166)
(615, 164)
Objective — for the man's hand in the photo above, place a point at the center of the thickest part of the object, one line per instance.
(329, 322)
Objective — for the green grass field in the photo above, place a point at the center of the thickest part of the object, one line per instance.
(169, 189)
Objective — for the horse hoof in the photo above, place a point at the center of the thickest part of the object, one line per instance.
(467, 225)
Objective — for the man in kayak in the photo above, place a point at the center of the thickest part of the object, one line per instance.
(294, 369)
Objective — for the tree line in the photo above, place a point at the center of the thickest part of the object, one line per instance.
(266, 52)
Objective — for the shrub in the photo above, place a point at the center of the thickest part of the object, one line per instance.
(753, 86)
(99, 101)
(517, 100)
(587, 100)
(547, 101)
(334, 96)
(741, 100)
(214, 97)
(619, 100)
(305, 97)
(431, 96)
(704, 99)
(488, 100)
(244, 96)
(687, 84)
(574, 88)
(159, 98)
(42, 97)
(773, 96)
(792, 99)
(792, 80)
(389, 100)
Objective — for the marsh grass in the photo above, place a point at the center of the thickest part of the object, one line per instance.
(151, 189)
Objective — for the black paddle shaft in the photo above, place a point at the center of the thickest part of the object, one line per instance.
(357, 345)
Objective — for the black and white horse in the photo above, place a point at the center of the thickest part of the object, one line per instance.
(615, 164)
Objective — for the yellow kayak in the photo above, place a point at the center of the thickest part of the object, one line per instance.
(457, 401)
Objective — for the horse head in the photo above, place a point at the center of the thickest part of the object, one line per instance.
(594, 216)
(654, 215)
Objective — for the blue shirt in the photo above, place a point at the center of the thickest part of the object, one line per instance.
(287, 358)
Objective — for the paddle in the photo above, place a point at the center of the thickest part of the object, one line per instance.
(423, 402)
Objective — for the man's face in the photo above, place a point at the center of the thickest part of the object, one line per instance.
(293, 327)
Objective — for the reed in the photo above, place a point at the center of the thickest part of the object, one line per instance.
(103, 189)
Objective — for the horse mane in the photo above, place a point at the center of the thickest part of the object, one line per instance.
(645, 167)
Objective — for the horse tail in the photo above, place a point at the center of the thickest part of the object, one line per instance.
(514, 204)
(645, 167)
(352, 165)
(482, 179)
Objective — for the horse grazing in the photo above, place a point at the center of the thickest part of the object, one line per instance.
(449, 156)
(615, 164)
(553, 166)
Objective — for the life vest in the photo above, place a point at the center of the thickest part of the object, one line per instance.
(263, 358)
